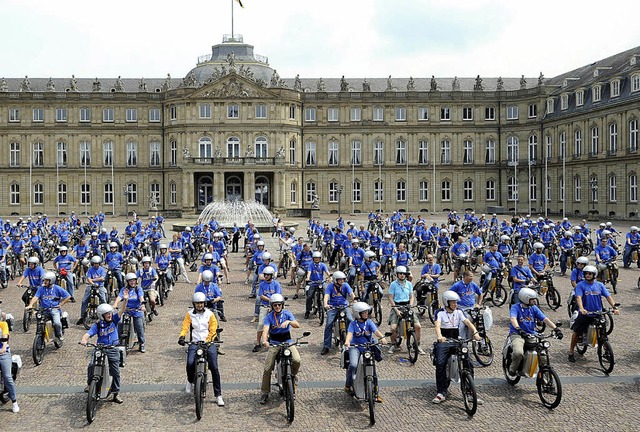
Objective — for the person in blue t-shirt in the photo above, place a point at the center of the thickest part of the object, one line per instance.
(133, 295)
(604, 254)
(51, 297)
(213, 294)
(470, 293)
(631, 244)
(538, 262)
(64, 264)
(268, 287)
(148, 278)
(317, 272)
(107, 331)
(588, 297)
(523, 317)
(521, 275)
(337, 295)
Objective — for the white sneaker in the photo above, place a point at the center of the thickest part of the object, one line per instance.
(220, 401)
(392, 348)
(15, 408)
(188, 388)
(439, 398)
(421, 351)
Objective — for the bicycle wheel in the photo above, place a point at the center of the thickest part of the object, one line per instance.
(581, 348)
(614, 280)
(498, 295)
(90, 317)
(37, 351)
(369, 386)
(638, 283)
(377, 312)
(92, 400)
(483, 351)
(608, 323)
(549, 387)
(199, 391)
(511, 379)
(605, 357)
(161, 293)
(474, 264)
(412, 346)
(433, 307)
(320, 308)
(289, 398)
(469, 395)
(26, 320)
(553, 298)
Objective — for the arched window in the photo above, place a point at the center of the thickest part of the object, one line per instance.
(233, 147)
(205, 147)
(261, 145)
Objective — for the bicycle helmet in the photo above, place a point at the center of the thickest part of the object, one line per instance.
(50, 276)
(504, 237)
(260, 243)
(316, 254)
(130, 276)
(538, 245)
(146, 259)
(134, 260)
(103, 309)
(94, 234)
(104, 230)
(444, 231)
(113, 245)
(198, 297)
(64, 249)
(577, 228)
(85, 262)
(268, 270)
(163, 246)
(208, 256)
(266, 256)
(609, 224)
(590, 269)
(448, 296)
(525, 225)
(606, 232)
(401, 270)
(568, 234)
(96, 260)
(545, 226)
(526, 294)
(634, 228)
(207, 276)
(33, 260)
(355, 241)
(187, 229)
(276, 298)
(339, 275)
(387, 236)
(359, 307)
(582, 260)
(369, 254)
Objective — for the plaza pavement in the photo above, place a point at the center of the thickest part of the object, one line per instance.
(50, 395)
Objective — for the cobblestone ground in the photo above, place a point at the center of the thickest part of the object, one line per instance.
(52, 392)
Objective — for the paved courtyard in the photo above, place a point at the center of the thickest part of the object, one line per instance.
(50, 395)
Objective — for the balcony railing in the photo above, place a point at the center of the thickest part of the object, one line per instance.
(237, 160)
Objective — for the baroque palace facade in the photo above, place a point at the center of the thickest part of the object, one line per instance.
(233, 129)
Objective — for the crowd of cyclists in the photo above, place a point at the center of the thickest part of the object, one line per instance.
(343, 272)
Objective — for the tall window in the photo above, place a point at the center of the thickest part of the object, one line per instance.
(108, 193)
(173, 153)
(61, 115)
(132, 193)
(533, 110)
(85, 154)
(334, 192)
(311, 191)
(561, 189)
(85, 193)
(132, 154)
(401, 114)
(108, 115)
(491, 190)
(356, 152)
(633, 136)
(563, 145)
(613, 188)
(293, 157)
(424, 191)
(293, 197)
(378, 191)
(564, 101)
(512, 189)
(467, 152)
(580, 98)
(615, 88)
(533, 148)
(333, 153)
(445, 193)
(577, 143)
(14, 115)
(38, 193)
(489, 113)
(310, 154)
(261, 111)
(62, 158)
(378, 113)
(233, 111)
(131, 115)
(261, 147)
(14, 193)
(205, 147)
(233, 147)
(378, 152)
(594, 191)
(401, 152)
(633, 188)
(355, 114)
(107, 153)
(292, 112)
(154, 153)
(154, 115)
(467, 113)
(85, 115)
(613, 138)
(310, 114)
(62, 193)
(445, 152)
(205, 111)
(423, 114)
(490, 152)
(513, 150)
(533, 188)
(401, 190)
(635, 83)
(38, 115)
(549, 144)
(467, 187)
(154, 191)
(356, 194)
(595, 140)
(512, 113)
(577, 188)
(14, 154)
(333, 114)
(445, 114)
(423, 152)
(173, 112)
(548, 189)
(38, 154)
(173, 193)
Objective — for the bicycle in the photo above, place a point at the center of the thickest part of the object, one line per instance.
(610, 275)
(427, 299)
(547, 380)
(483, 349)
(284, 374)
(544, 286)
(200, 375)
(365, 383)
(340, 326)
(445, 260)
(27, 315)
(127, 330)
(597, 334)
(101, 379)
(475, 259)
(496, 292)
(406, 331)
(44, 334)
(317, 308)
(163, 286)
(91, 315)
(374, 290)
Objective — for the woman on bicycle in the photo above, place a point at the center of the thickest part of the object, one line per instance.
(5, 364)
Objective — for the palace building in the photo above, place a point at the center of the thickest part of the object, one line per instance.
(233, 129)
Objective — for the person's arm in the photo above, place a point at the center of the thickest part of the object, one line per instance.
(471, 327)
(32, 302)
(439, 336)
(326, 301)
(610, 300)
(85, 339)
(265, 335)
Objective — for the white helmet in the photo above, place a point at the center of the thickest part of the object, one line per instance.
(198, 297)
(369, 254)
(590, 269)
(260, 243)
(163, 246)
(504, 237)
(448, 296)
(33, 260)
(552, 225)
(187, 229)
(538, 245)
(609, 224)
(276, 298)
(64, 249)
(207, 276)
(606, 232)
(85, 261)
(582, 260)
(292, 230)
(339, 275)
(50, 276)
(207, 256)
(568, 234)
(268, 270)
(113, 245)
(525, 225)
(266, 256)
(634, 228)
(316, 254)
(145, 259)
(130, 276)
(545, 226)
(387, 236)
(527, 294)
(444, 231)
(103, 309)
(359, 307)
(96, 260)
(602, 225)
(104, 230)
(401, 270)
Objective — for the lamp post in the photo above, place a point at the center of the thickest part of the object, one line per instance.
(125, 192)
(594, 193)
(340, 189)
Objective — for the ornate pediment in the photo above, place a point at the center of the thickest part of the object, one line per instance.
(232, 86)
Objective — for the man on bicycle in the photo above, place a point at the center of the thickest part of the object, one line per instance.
(369, 271)
(316, 272)
(401, 294)
(64, 264)
(538, 262)
(114, 261)
(268, 287)
(493, 262)
(148, 278)
(51, 297)
(133, 296)
(201, 324)
(337, 294)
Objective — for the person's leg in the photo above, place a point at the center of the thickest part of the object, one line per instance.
(354, 356)
(57, 324)
(5, 365)
(295, 361)
(331, 316)
(269, 364)
(138, 325)
(191, 362)
(517, 346)
(442, 356)
(114, 369)
(212, 359)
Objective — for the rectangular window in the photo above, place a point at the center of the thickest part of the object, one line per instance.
(378, 153)
(62, 194)
(356, 152)
(293, 154)
(512, 113)
(564, 102)
(401, 152)
(550, 106)
(615, 88)
(85, 115)
(334, 192)
(310, 154)
(173, 195)
(633, 188)
(445, 194)
(173, 112)
(38, 115)
(580, 98)
(333, 153)
(261, 111)
(490, 152)
(154, 115)
(423, 114)
(309, 114)
(512, 189)
(61, 115)
(633, 136)
(467, 188)
(635, 83)
(561, 189)
(131, 115)
(423, 152)
(38, 154)
(62, 158)
(533, 110)
(577, 143)
(401, 191)
(154, 192)
(491, 190)
(132, 194)
(467, 113)
(513, 150)
(356, 195)
(548, 189)
(173, 153)
(563, 145)
(355, 114)
(613, 138)
(311, 192)
(489, 113)
(14, 115)
(292, 112)
(378, 191)
(107, 154)
(597, 93)
(467, 152)
(108, 115)
(14, 192)
(424, 191)
(445, 114)
(293, 197)
(154, 151)
(378, 113)
(549, 145)
(613, 189)
(401, 114)
(533, 188)
(38, 193)
(108, 193)
(85, 154)
(132, 154)
(85, 193)
(595, 141)
(445, 152)
(233, 147)
(233, 111)
(332, 114)
(577, 188)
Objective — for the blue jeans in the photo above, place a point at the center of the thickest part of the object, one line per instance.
(54, 314)
(332, 315)
(212, 360)
(442, 354)
(69, 278)
(5, 367)
(354, 357)
(102, 293)
(138, 327)
(113, 354)
(563, 263)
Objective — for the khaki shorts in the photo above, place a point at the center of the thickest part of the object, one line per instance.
(263, 313)
(393, 317)
(153, 294)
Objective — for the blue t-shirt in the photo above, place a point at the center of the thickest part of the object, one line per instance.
(369, 269)
(94, 273)
(401, 292)
(317, 271)
(467, 293)
(520, 273)
(147, 277)
(338, 297)
(538, 261)
(107, 331)
(64, 261)
(50, 297)
(34, 275)
(133, 302)
(362, 332)
(526, 317)
(591, 295)
(432, 269)
(211, 290)
(274, 321)
(268, 289)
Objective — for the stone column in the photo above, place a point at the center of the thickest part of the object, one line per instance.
(187, 191)
(218, 185)
(249, 186)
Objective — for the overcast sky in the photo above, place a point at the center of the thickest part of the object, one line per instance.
(328, 38)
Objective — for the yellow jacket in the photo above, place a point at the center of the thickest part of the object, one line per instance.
(203, 325)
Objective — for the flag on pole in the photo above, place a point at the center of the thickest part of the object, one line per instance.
(240, 3)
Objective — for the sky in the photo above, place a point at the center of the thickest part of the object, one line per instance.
(327, 38)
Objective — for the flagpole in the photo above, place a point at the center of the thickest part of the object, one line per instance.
(113, 188)
(232, 18)
(31, 178)
(58, 180)
(85, 187)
